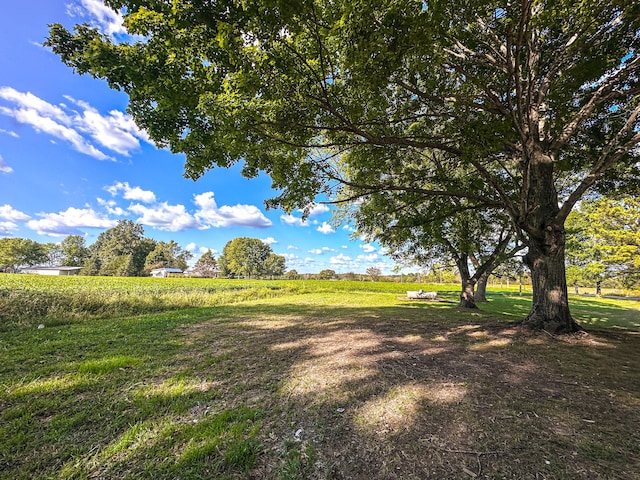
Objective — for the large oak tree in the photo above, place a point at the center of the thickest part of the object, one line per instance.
(539, 99)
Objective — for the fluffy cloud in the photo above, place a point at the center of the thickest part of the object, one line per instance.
(171, 218)
(325, 228)
(111, 207)
(368, 248)
(341, 259)
(294, 221)
(69, 222)
(315, 209)
(131, 193)
(368, 258)
(9, 213)
(7, 228)
(211, 215)
(269, 240)
(115, 131)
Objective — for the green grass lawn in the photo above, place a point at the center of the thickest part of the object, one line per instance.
(193, 379)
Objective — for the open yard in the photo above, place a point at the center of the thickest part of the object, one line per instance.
(179, 379)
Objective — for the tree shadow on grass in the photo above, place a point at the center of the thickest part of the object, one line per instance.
(413, 390)
(394, 393)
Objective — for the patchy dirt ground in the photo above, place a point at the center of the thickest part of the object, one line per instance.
(418, 392)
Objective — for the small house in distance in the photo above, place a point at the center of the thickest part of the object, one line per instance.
(164, 272)
(38, 270)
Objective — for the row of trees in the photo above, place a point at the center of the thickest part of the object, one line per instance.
(119, 251)
(124, 251)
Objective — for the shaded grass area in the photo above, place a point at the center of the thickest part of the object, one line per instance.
(592, 313)
(327, 384)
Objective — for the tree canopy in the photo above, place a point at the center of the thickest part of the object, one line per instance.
(538, 102)
(20, 252)
(250, 258)
(603, 242)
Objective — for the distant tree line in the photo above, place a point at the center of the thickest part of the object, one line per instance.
(121, 251)
(124, 251)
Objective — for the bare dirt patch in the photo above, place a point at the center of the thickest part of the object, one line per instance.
(352, 393)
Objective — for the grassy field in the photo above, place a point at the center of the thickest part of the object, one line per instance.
(196, 379)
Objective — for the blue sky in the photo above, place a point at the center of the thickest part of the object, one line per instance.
(72, 162)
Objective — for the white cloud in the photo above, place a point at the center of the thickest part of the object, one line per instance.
(368, 258)
(107, 20)
(293, 220)
(341, 259)
(349, 228)
(325, 228)
(368, 248)
(10, 133)
(210, 214)
(115, 131)
(292, 247)
(269, 240)
(69, 222)
(320, 251)
(131, 193)
(191, 247)
(315, 209)
(9, 213)
(171, 218)
(207, 249)
(7, 228)
(111, 207)
(344, 247)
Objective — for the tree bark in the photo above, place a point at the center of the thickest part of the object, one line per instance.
(481, 287)
(546, 255)
(467, 297)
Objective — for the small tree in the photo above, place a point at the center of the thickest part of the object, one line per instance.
(206, 266)
(292, 275)
(326, 274)
(274, 265)
(374, 273)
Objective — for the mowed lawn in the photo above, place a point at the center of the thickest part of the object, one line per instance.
(309, 380)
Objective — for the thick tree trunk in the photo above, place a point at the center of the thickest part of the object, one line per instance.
(481, 287)
(546, 256)
(550, 308)
(467, 296)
